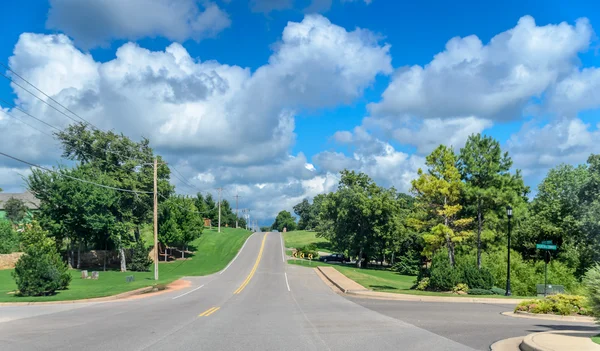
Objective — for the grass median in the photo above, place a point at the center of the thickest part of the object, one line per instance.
(386, 280)
(213, 251)
(300, 238)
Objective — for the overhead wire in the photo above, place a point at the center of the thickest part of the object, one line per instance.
(74, 178)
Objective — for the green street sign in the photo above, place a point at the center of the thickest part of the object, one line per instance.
(547, 242)
(545, 247)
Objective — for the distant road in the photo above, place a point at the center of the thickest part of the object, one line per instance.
(258, 303)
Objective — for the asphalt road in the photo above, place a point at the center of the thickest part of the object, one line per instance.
(257, 303)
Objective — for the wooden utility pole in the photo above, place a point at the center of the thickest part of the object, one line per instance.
(220, 189)
(155, 218)
(236, 210)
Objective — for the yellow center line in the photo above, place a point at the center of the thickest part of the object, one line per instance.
(211, 312)
(208, 312)
(262, 247)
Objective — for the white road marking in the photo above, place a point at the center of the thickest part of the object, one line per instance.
(191, 291)
(286, 281)
(236, 256)
(282, 249)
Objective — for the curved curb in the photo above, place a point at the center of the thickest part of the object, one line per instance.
(121, 296)
(550, 317)
(559, 340)
(510, 344)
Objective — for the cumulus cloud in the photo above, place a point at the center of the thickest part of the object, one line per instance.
(536, 148)
(95, 23)
(225, 121)
(492, 81)
(577, 92)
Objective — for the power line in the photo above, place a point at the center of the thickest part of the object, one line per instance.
(27, 124)
(28, 114)
(75, 178)
(46, 95)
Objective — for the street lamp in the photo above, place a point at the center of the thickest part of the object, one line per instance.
(509, 214)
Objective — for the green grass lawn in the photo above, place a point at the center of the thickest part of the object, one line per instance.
(384, 280)
(213, 252)
(300, 238)
(596, 339)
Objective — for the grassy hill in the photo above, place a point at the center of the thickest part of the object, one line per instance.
(213, 251)
(301, 238)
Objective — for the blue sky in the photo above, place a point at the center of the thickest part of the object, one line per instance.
(397, 132)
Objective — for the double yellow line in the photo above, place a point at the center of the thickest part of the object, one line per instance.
(209, 311)
(262, 247)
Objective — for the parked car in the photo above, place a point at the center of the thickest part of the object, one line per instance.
(336, 257)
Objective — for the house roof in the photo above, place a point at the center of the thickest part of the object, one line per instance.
(28, 198)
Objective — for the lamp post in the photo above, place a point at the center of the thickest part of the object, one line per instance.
(509, 214)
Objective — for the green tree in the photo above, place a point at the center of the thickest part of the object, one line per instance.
(40, 271)
(179, 222)
(9, 238)
(438, 193)
(15, 209)
(485, 170)
(303, 211)
(283, 220)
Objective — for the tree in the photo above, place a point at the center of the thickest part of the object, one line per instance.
(483, 167)
(9, 238)
(179, 222)
(303, 211)
(15, 209)
(283, 220)
(438, 193)
(140, 260)
(40, 271)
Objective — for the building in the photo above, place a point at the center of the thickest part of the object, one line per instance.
(28, 199)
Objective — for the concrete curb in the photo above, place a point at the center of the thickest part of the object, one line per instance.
(560, 340)
(550, 317)
(96, 299)
(370, 294)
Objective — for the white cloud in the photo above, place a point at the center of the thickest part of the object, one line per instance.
(494, 80)
(428, 134)
(220, 124)
(577, 92)
(536, 148)
(94, 23)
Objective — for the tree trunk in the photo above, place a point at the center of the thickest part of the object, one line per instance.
(359, 261)
(392, 263)
(105, 254)
(479, 227)
(79, 255)
(123, 262)
(182, 252)
(71, 254)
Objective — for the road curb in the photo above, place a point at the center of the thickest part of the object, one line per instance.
(560, 340)
(550, 317)
(370, 294)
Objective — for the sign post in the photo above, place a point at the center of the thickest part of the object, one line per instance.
(547, 246)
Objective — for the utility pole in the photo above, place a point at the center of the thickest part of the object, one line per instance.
(236, 210)
(155, 218)
(220, 189)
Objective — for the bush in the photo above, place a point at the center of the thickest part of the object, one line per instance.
(498, 291)
(423, 284)
(408, 264)
(40, 271)
(525, 275)
(477, 278)
(460, 287)
(480, 292)
(591, 281)
(557, 304)
(443, 276)
(140, 260)
(9, 238)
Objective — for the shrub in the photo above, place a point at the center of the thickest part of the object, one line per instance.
(140, 260)
(498, 291)
(423, 284)
(477, 278)
(443, 276)
(556, 304)
(592, 284)
(408, 264)
(460, 287)
(480, 292)
(9, 238)
(306, 251)
(40, 271)
(525, 275)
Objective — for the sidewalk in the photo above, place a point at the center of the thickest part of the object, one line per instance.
(350, 287)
